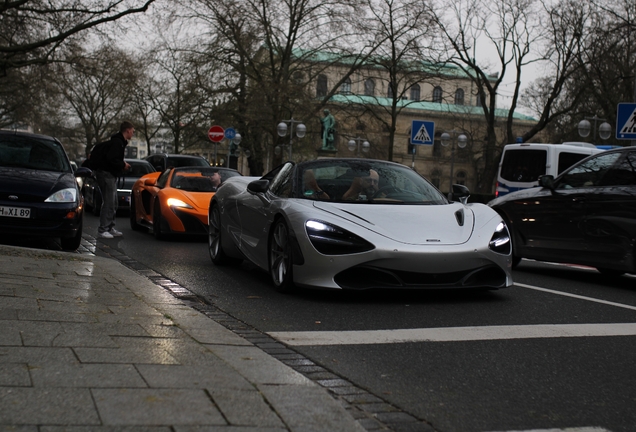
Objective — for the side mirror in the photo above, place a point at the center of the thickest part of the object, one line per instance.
(150, 181)
(547, 181)
(258, 186)
(461, 192)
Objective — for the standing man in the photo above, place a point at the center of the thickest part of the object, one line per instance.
(110, 166)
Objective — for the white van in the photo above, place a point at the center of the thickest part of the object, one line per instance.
(522, 164)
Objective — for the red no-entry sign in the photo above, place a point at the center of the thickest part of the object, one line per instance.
(216, 133)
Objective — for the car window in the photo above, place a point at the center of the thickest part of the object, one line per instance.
(177, 162)
(589, 173)
(524, 165)
(372, 182)
(139, 168)
(33, 153)
(623, 173)
(163, 178)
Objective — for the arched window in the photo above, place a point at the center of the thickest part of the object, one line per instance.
(415, 92)
(459, 97)
(435, 177)
(369, 87)
(460, 178)
(437, 145)
(437, 94)
(389, 90)
(321, 86)
(345, 87)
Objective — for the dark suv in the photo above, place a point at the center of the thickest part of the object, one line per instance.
(162, 161)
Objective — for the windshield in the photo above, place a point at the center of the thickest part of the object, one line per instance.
(32, 153)
(361, 181)
(195, 179)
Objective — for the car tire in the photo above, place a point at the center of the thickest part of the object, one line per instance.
(72, 243)
(133, 215)
(215, 246)
(281, 257)
(157, 221)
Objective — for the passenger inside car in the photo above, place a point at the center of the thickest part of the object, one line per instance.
(310, 187)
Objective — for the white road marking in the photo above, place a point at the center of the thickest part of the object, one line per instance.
(575, 429)
(452, 334)
(576, 296)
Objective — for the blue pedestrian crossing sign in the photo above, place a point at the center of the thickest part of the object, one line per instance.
(626, 121)
(422, 132)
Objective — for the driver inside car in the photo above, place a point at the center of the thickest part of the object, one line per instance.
(363, 188)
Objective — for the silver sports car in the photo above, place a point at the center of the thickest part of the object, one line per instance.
(357, 224)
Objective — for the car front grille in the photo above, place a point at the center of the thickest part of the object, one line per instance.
(369, 277)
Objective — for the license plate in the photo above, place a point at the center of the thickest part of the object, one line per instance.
(18, 212)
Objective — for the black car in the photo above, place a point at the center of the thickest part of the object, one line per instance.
(587, 215)
(39, 195)
(93, 196)
(163, 161)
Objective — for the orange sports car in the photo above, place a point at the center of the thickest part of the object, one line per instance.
(176, 200)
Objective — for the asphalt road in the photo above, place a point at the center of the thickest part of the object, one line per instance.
(557, 350)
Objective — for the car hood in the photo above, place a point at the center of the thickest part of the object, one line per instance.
(32, 185)
(409, 224)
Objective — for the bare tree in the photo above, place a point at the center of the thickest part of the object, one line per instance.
(269, 76)
(96, 87)
(32, 30)
(513, 30)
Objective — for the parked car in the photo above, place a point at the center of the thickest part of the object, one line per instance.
(586, 216)
(39, 194)
(93, 196)
(302, 224)
(176, 201)
(163, 161)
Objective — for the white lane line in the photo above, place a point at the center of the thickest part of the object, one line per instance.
(452, 334)
(575, 429)
(595, 300)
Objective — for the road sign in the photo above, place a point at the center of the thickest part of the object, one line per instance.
(422, 132)
(626, 121)
(230, 133)
(216, 133)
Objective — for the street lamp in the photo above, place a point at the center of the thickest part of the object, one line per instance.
(234, 146)
(604, 130)
(447, 140)
(356, 144)
(301, 130)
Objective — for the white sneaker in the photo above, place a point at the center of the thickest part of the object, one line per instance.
(106, 234)
(115, 233)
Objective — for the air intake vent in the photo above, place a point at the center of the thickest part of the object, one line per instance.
(459, 215)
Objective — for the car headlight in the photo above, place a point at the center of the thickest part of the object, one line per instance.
(173, 202)
(331, 240)
(500, 241)
(63, 196)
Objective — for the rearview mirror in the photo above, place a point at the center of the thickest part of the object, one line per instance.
(150, 181)
(460, 192)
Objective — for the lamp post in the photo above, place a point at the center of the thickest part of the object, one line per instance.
(301, 130)
(604, 130)
(447, 140)
(233, 147)
(357, 144)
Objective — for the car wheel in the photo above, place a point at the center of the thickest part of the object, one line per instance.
(72, 243)
(215, 247)
(157, 221)
(133, 215)
(280, 258)
(609, 272)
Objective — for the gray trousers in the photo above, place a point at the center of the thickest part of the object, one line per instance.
(108, 186)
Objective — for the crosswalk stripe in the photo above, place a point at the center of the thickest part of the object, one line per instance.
(452, 334)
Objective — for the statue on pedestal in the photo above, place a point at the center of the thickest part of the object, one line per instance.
(328, 131)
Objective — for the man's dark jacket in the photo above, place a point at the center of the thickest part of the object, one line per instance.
(113, 160)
